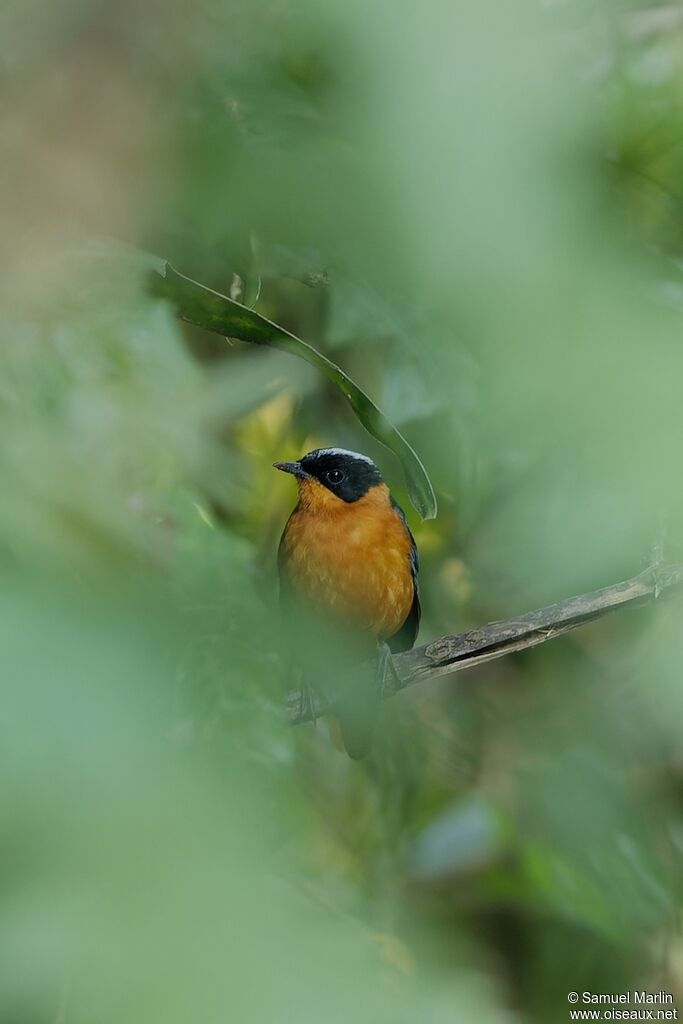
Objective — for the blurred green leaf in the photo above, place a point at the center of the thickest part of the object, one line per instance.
(215, 312)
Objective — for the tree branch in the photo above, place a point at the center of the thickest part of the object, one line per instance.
(467, 650)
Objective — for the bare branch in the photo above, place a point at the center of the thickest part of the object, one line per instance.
(496, 639)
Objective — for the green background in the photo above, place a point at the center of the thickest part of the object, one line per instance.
(476, 210)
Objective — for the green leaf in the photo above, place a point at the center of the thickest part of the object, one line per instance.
(212, 311)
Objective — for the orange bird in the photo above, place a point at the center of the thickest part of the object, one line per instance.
(348, 568)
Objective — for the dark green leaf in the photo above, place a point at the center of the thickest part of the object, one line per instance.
(212, 311)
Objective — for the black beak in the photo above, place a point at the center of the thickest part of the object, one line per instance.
(291, 467)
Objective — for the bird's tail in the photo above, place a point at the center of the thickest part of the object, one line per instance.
(355, 719)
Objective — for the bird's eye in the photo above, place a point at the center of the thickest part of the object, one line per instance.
(334, 476)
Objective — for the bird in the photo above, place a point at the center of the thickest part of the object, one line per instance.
(348, 567)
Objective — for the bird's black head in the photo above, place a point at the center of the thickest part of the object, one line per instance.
(348, 475)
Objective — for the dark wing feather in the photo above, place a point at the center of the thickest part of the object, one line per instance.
(405, 637)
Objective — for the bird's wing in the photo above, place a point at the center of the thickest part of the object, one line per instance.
(405, 637)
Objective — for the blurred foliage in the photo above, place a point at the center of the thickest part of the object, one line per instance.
(476, 210)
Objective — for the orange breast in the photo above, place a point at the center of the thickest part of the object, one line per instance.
(351, 559)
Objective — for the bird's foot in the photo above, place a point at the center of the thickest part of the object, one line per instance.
(386, 669)
(308, 704)
(656, 559)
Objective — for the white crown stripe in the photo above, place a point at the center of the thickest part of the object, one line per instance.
(340, 451)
